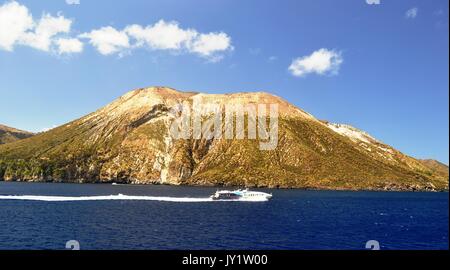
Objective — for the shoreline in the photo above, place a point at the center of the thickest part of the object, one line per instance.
(234, 187)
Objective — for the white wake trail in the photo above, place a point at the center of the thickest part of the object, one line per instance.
(119, 197)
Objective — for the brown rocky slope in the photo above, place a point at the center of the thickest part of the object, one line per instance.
(9, 134)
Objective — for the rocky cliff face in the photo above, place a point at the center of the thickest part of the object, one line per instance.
(128, 141)
(9, 134)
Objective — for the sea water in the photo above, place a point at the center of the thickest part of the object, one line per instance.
(46, 216)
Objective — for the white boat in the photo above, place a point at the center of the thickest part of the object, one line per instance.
(241, 195)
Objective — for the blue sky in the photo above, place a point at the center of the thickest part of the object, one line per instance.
(387, 68)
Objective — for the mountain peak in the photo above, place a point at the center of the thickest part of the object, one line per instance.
(161, 92)
(152, 96)
(158, 94)
(11, 129)
(435, 166)
(9, 134)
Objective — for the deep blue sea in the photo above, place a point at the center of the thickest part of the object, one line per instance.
(293, 219)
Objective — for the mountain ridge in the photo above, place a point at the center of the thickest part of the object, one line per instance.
(10, 134)
(128, 141)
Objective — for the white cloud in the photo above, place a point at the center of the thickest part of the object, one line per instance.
(163, 35)
(209, 44)
(47, 28)
(17, 27)
(15, 20)
(412, 13)
(108, 40)
(69, 45)
(321, 62)
(52, 34)
(373, 2)
(166, 36)
(73, 2)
